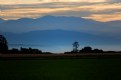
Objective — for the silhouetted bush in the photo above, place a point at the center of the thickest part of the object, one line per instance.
(72, 52)
(47, 53)
(97, 51)
(30, 51)
(86, 50)
(13, 50)
(111, 52)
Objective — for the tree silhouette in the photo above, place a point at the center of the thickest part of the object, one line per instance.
(86, 49)
(3, 44)
(97, 51)
(75, 46)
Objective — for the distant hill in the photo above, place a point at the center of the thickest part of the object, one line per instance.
(1, 20)
(61, 22)
(47, 22)
(58, 38)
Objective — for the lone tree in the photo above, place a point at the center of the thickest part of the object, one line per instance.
(75, 46)
(3, 44)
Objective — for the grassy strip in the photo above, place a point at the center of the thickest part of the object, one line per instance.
(66, 69)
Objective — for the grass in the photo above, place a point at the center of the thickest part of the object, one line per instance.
(61, 69)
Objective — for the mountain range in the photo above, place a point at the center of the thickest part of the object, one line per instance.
(52, 33)
(60, 22)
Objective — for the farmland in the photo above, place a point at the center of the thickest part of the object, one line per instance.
(61, 69)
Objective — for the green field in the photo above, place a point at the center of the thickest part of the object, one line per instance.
(61, 69)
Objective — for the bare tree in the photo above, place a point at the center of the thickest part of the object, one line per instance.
(75, 46)
(3, 44)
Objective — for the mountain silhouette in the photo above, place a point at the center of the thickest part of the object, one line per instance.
(48, 22)
(1, 20)
(45, 23)
(58, 38)
(60, 22)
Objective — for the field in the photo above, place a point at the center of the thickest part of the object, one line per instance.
(61, 69)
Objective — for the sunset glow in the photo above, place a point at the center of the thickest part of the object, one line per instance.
(100, 10)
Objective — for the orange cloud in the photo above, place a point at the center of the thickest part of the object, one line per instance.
(92, 1)
(96, 11)
(28, 12)
(45, 1)
(19, 1)
(99, 7)
(105, 17)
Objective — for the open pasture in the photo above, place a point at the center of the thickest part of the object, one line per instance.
(61, 69)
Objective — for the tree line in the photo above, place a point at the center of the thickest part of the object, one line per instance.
(4, 48)
(88, 49)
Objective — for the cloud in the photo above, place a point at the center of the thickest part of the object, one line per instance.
(45, 1)
(80, 8)
(18, 1)
(29, 12)
(106, 17)
(90, 1)
(114, 1)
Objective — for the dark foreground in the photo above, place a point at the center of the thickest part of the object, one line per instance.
(61, 67)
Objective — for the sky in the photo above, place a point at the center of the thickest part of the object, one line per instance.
(100, 10)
